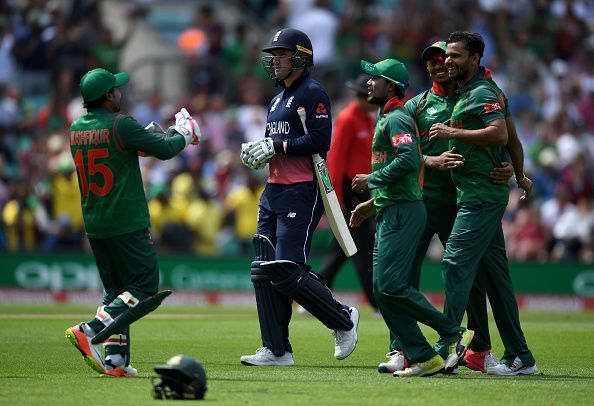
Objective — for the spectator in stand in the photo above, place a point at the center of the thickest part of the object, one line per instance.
(242, 205)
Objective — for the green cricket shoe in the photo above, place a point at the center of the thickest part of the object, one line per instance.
(430, 367)
(457, 350)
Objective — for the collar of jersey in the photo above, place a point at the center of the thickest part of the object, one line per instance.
(479, 76)
(438, 89)
(392, 104)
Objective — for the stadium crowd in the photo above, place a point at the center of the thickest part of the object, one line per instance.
(205, 202)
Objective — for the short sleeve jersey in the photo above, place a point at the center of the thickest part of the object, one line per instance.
(104, 146)
(478, 104)
(396, 161)
(427, 108)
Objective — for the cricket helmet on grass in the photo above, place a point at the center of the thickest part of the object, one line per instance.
(181, 377)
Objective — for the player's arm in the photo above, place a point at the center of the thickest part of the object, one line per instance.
(516, 151)
(318, 120)
(131, 136)
(494, 133)
(405, 142)
(485, 105)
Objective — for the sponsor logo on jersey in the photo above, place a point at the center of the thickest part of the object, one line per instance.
(278, 127)
(289, 102)
(321, 111)
(401, 139)
(379, 157)
(489, 107)
(431, 111)
(276, 101)
(292, 215)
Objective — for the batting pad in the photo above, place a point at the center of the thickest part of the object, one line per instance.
(303, 286)
(274, 309)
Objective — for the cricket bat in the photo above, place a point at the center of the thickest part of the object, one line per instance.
(331, 205)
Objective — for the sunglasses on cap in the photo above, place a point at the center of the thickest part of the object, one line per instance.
(434, 60)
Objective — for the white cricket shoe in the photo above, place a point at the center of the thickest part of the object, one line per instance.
(396, 362)
(265, 358)
(114, 369)
(345, 341)
(517, 368)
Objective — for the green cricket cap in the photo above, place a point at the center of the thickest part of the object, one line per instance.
(439, 46)
(96, 82)
(390, 69)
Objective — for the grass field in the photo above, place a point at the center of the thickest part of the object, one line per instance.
(38, 366)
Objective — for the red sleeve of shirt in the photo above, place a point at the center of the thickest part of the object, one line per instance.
(338, 155)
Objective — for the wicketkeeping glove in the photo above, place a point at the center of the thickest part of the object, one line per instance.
(257, 153)
(187, 126)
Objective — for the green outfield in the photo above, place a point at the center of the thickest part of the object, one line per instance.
(38, 366)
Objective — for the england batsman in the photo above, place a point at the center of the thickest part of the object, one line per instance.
(477, 129)
(105, 145)
(291, 206)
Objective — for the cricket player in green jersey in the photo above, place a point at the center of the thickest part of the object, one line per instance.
(396, 184)
(439, 196)
(105, 145)
(477, 130)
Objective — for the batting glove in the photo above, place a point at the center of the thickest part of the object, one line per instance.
(187, 127)
(257, 153)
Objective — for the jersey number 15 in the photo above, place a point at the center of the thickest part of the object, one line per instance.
(94, 167)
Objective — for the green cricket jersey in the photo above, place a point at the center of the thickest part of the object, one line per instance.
(396, 161)
(478, 104)
(427, 108)
(105, 148)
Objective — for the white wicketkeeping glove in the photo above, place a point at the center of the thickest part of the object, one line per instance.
(257, 153)
(187, 126)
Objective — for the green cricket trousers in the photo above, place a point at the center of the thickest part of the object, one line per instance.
(402, 306)
(477, 240)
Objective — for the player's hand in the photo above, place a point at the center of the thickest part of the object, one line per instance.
(244, 156)
(257, 153)
(359, 183)
(440, 131)
(526, 185)
(361, 213)
(187, 127)
(502, 174)
(447, 160)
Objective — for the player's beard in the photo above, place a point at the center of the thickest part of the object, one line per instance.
(459, 74)
(377, 100)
